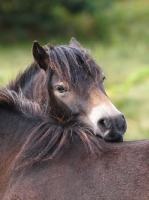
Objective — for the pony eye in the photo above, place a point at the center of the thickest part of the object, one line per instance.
(60, 89)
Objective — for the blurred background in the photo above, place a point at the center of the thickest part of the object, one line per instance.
(116, 32)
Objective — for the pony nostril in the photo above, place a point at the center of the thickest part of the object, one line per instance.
(104, 124)
(101, 122)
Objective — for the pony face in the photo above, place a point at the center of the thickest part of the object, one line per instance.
(91, 106)
(76, 90)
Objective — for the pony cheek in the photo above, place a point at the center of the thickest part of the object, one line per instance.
(69, 101)
(74, 109)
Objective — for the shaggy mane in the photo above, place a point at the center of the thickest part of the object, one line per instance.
(47, 140)
(13, 101)
(23, 78)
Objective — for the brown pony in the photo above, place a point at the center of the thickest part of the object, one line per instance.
(48, 115)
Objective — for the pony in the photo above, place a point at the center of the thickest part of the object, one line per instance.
(111, 171)
(57, 107)
(68, 85)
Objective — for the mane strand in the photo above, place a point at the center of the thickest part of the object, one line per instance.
(46, 141)
(7, 100)
(24, 77)
(49, 141)
(69, 63)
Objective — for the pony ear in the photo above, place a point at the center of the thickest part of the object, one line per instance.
(74, 43)
(40, 55)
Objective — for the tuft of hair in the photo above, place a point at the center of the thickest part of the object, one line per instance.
(23, 78)
(72, 65)
(16, 102)
(49, 141)
(45, 140)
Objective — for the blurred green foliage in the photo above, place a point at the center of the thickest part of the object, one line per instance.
(109, 20)
(21, 20)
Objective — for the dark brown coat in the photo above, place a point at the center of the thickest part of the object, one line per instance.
(121, 172)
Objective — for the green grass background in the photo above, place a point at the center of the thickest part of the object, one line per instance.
(124, 60)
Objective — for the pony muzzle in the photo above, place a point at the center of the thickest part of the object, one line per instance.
(112, 129)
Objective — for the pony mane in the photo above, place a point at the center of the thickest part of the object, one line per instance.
(49, 141)
(31, 83)
(24, 77)
(46, 140)
(16, 102)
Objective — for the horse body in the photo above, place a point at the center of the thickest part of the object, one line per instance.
(119, 172)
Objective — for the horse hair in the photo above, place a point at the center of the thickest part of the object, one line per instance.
(47, 140)
(72, 65)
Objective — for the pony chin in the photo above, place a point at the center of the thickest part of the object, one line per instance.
(117, 138)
